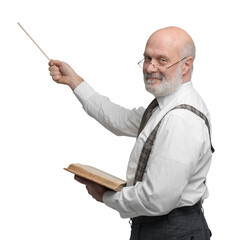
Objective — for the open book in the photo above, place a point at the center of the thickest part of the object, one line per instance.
(97, 176)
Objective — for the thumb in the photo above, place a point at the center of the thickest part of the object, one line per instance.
(55, 63)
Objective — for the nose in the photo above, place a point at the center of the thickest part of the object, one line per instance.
(151, 68)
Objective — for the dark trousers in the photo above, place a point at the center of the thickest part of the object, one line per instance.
(185, 223)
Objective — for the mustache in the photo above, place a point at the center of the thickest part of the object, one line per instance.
(151, 76)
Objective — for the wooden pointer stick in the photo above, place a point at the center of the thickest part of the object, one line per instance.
(34, 41)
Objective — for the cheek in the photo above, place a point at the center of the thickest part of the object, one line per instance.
(170, 75)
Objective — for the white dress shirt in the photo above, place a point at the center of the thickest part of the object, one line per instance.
(180, 158)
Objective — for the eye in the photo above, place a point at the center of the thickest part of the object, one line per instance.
(162, 60)
(147, 59)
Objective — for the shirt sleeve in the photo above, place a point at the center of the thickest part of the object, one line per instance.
(117, 119)
(180, 142)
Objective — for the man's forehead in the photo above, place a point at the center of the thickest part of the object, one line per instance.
(156, 53)
(158, 47)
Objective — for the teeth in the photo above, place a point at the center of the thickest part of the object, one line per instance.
(151, 81)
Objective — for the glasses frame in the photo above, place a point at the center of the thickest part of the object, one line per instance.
(142, 61)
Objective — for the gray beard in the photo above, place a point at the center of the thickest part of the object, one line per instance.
(165, 87)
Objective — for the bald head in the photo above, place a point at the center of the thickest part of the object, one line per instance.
(173, 39)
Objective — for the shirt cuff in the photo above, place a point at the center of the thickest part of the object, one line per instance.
(109, 199)
(83, 92)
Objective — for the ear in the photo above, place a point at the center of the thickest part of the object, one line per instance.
(186, 67)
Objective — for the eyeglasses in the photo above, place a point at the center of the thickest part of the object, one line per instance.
(143, 64)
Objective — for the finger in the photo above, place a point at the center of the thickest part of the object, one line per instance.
(51, 63)
(53, 68)
(56, 63)
(55, 73)
(91, 190)
(56, 78)
(82, 180)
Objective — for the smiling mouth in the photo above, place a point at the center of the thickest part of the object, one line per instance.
(152, 81)
(153, 77)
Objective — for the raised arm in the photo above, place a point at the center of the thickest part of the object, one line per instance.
(117, 119)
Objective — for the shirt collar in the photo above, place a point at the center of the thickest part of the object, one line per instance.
(184, 88)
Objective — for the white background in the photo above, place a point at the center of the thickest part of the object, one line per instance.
(43, 127)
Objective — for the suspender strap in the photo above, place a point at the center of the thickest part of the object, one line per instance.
(144, 156)
(198, 113)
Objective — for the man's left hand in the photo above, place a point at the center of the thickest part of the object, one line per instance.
(95, 190)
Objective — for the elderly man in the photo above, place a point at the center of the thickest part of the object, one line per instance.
(171, 157)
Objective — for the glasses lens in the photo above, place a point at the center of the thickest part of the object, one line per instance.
(141, 64)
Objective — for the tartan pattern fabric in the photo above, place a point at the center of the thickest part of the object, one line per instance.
(146, 150)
